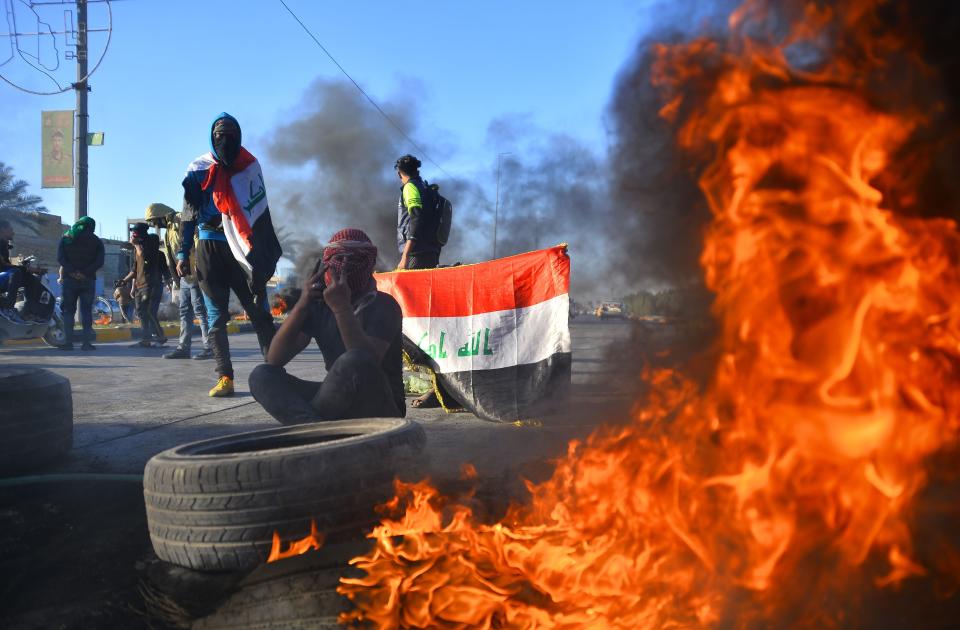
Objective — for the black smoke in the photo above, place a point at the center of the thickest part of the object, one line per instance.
(632, 216)
(661, 214)
(659, 211)
(341, 153)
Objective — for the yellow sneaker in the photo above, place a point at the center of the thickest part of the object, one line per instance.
(223, 388)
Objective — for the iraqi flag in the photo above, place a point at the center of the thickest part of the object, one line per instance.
(240, 194)
(495, 334)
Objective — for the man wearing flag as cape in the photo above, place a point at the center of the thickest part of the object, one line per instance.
(225, 202)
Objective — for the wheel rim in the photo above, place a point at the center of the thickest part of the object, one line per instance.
(56, 335)
(102, 312)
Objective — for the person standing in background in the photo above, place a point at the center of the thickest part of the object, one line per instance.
(148, 283)
(417, 219)
(190, 297)
(80, 255)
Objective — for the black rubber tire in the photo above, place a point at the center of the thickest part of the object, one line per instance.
(55, 335)
(36, 418)
(214, 505)
(305, 601)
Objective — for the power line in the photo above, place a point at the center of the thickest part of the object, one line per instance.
(367, 96)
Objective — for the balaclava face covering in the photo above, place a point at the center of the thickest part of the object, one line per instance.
(351, 254)
(225, 138)
(140, 231)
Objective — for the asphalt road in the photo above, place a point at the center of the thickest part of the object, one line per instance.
(130, 404)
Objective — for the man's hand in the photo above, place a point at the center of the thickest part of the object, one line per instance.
(182, 268)
(313, 287)
(337, 293)
(78, 275)
(405, 254)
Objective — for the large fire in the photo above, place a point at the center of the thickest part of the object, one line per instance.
(793, 471)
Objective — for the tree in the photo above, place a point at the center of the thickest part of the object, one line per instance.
(13, 193)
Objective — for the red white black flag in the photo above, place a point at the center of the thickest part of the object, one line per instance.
(496, 334)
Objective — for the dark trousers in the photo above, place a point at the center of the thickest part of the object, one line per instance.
(127, 310)
(155, 298)
(219, 273)
(10, 281)
(355, 387)
(146, 298)
(423, 261)
(17, 278)
(83, 291)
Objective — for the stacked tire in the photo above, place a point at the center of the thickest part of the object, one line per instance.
(36, 418)
(214, 505)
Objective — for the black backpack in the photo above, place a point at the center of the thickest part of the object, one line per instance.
(444, 210)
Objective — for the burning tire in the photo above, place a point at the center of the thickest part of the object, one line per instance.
(303, 600)
(36, 418)
(215, 504)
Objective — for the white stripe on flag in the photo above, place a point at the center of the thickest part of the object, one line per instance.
(251, 192)
(237, 246)
(499, 339)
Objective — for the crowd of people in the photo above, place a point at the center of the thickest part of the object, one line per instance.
(223, 241)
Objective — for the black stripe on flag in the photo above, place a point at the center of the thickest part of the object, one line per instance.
(517, 392)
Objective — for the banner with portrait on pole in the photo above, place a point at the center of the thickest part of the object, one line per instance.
(57, 149)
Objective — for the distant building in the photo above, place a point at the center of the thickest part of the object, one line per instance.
(37, 234)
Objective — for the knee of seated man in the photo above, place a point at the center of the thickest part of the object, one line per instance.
(261, 376)
(360, 361)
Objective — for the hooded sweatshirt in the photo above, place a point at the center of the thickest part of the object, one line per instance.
(81, 250)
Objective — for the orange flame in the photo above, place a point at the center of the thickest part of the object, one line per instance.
(103, 320)
(314, 540)
(801, 457)
(279, 306)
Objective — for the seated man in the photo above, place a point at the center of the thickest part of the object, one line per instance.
(356, 327)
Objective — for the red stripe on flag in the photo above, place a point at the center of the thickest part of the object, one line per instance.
(497, 285)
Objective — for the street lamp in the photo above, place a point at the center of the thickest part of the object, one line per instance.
(496, 207)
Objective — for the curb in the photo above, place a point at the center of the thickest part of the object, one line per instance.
(129, 333)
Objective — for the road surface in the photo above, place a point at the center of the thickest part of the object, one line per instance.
(130, 404)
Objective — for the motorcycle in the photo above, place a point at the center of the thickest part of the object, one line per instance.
(16, 326)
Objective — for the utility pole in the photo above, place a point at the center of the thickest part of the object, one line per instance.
(82, 89)
(77, 38)
(496, 208)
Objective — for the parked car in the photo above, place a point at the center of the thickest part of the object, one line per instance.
(610, 309)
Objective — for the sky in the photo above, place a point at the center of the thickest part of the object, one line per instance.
(172, 65)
